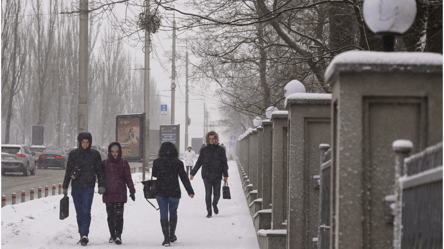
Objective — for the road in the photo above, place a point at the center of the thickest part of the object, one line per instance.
(16, 182)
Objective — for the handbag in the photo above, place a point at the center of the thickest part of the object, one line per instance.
(226, 191)
(149, 190)
(64, 207)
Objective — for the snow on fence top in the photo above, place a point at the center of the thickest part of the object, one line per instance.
(308, 98)
(279, 114)
(384, 61)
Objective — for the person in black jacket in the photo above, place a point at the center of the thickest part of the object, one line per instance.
(84, 164)
(167, 168)
(213, 161)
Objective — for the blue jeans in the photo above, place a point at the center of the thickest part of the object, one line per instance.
(82, 201)
(168, 204)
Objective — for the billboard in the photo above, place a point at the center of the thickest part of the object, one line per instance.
(38, 135)
(129, 133)
(170, 133)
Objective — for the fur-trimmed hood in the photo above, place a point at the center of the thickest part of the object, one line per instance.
(211, 133)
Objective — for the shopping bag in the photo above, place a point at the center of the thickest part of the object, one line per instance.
(226, 191)
(64, 207)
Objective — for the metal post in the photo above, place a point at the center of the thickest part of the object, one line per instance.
(60, 188)
(39, 194)
(3, 200)
(82, 119)
(187, 118)
(173, 75)
(23, 196)
(46, 191)
(53, 189)
(14, 198)
(146, 123)
(31, 194)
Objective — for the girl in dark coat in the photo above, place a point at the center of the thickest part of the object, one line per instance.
(118, 177)
(168, 168)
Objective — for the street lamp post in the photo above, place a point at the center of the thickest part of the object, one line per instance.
(389, 19)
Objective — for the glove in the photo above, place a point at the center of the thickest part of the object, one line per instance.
(65, 191)
(101, 190)
(132, 196)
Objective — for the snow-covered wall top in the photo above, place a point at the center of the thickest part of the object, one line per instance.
(279, 114)
(308, 98)
(360, 61)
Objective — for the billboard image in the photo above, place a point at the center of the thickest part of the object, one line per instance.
(129, 134)
(170, 133)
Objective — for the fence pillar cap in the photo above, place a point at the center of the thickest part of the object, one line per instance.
(324, 146)
(402, 145)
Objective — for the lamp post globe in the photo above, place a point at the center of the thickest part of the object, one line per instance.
(294, 86)
(257, 121)
(389, 18)
(270, 110)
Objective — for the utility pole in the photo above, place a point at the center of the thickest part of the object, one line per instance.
(82, 117)
(187, 119)
(205, 120)
(146, 92)
(173, 75)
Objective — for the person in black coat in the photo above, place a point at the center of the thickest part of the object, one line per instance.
(168, 168)
(84, 165)
(214, 165)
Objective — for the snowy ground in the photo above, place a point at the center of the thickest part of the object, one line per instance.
(36, 224)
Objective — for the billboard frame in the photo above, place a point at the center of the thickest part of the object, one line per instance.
(141, 135)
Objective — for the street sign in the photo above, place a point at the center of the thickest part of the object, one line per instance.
(163, 109)
(233, 141)
(170, 133)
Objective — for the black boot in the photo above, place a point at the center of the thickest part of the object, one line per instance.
(173, 224)
(165, 230)
(209, 213)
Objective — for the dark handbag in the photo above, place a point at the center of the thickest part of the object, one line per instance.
(64, 207)
(149, 190)
(75, 173)
(226, 191)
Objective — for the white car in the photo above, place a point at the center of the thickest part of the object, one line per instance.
(17, 158)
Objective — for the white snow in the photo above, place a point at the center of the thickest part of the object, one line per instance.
(390, 58)
(279, 113)
(264, 232)
(401, 143)
(36, 224)
(307, 96)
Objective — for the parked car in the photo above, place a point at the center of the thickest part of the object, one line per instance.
(17, 158)
(36, 151)
(100, 150)
(53, 158)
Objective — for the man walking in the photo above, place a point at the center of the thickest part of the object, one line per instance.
(213, 161)
(189, 159)
(84, 164)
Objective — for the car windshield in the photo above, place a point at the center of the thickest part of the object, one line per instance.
(10, 150)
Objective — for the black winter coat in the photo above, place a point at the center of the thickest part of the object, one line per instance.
(168, 170)
(91, 164)
(213, 161)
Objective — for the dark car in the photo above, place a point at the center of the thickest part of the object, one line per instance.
(53, 158)
(36, 151)
(17, 158)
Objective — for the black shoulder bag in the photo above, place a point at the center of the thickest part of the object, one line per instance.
(149, 190)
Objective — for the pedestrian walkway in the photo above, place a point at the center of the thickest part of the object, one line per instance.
(36, 224)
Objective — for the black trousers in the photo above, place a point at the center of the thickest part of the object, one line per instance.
(212, 187)
(115, 218)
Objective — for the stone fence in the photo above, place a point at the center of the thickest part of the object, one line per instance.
(304, 194)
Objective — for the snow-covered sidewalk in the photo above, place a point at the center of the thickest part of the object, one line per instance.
(36, 224)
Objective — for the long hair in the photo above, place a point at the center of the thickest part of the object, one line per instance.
(168, 149)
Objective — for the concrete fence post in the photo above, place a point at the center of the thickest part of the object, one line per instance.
(3, 200)
(14, 198)
(53, 189)
(402, 149)
(46, 191)
(31, 194)
(39, 192)
(23, 196)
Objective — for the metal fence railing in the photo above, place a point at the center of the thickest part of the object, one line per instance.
(422, 199)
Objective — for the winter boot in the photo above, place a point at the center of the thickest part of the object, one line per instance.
(216, 210)
(209, 213)
(165, 230)
(173, 224)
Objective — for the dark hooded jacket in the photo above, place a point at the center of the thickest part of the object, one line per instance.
(168, 168)
(213, 161)
(90, 163)
(118, 177)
